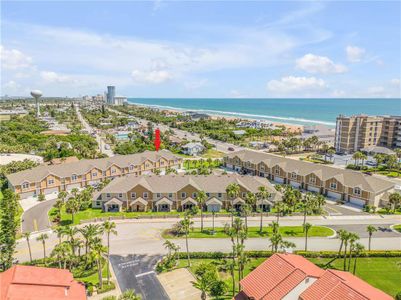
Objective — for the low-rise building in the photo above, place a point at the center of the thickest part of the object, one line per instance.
(29, 282)
(48, 179)
(338, 184)
(193, 149)
(289, 276)
(179, 192)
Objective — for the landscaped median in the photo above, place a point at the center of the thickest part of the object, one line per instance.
(253, 232)
(397, 228)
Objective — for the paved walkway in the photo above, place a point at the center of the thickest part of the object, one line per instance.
(178, 285)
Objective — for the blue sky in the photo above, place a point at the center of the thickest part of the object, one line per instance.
(202, 49)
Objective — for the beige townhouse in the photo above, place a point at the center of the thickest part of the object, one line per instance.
(339, 184)
(180, 192)
(49, 179)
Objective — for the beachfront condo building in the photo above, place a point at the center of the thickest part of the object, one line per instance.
(361, 131)
(51, 179)
(335, 183)
(180, 192)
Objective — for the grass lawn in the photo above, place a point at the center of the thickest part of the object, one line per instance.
(370, 269)
(253, 232)
(93, 278)
(212, 153)
(397, 227)
(92, 213)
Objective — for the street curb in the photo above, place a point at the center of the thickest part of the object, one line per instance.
(393, 230)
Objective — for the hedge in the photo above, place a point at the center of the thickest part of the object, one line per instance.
(309, 254)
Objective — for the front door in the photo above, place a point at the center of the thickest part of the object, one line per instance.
(164, 207)
(113, 208)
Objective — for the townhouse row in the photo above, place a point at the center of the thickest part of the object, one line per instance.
(335, 183)
(48, 179)
(180, 192)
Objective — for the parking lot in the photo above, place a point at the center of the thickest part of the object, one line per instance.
(137, 272)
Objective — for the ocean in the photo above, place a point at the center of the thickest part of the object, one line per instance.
(289, 111)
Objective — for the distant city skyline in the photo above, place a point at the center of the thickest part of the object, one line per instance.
(168, 49)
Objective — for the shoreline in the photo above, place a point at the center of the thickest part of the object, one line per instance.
(293, 127)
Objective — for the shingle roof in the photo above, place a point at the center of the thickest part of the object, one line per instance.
(346, 177)
(83, 166)
(28, 282)
(172, 183)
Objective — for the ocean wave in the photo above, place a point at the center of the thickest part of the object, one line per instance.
(291, 120)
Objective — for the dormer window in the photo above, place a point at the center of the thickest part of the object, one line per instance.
(113, 171)
(74, 177)
(294, 175)
(94, 174)
(25, 185)
(183, 195)
(162, 163)
(333, 185)
(312, 179)
(131, 167)
(194, 195)
(262, 167)
(277, 171)
(133, 195)
(357, 191)
(50, 181)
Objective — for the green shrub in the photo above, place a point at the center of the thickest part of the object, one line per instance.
(109, 298)
(106, 287)
(398, 296)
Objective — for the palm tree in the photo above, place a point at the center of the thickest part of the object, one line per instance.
(109, 228)
(346, 236)
(201, 199)
(263, 194)
(275, 240)
(72, 207)
(395, 200)
(370, 229)
(89, 232)
(27, 235)
(358, 248)
(60, 251)
(357, 156)
(98, 250)
(306, 203)
(279, 207)
(232, 190)
(129, 295)
(353, 237)
(306, 226)
(42, 238)
(58, 206)
(186, 224)
(59, 230)
(70, 232)
(230, 266)
(250, 200)
(62, 196)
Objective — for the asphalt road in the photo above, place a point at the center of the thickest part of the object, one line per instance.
(137, 272)
(36, 218)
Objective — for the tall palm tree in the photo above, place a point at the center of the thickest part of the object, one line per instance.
(72, 206)
(306, 226)
(232, 190)
(89, 232)
(262, 194)
(62, 196)
(59, 230)
(70, 232)
(250, 200)
(346, 237)
(27, 235)
(306, 204)
(358, 248)
(353, 237)
(279, 205)
(370, 229)
(98, 250)
(230, 266)
(201, 199)
(42, 238)
(59, 206)
(186, 224)
(109, 228)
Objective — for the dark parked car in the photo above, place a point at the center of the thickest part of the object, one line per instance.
(230, 149)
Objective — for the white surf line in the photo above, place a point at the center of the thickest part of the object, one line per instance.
(144, 274)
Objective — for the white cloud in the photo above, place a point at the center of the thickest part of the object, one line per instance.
(14, 59)
(53, 77)
(152, 76)
(395, 81)
(293, 84)
(319, 64)
(238, 94)
(354, 53)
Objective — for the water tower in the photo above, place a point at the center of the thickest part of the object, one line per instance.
(37, 94)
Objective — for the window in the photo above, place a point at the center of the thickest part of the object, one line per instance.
(147, 165)
(162, 163)
(208, 194)
(312, 179)
(262, 167)
(131, 167)
(219, 195)
(113, 171)
(145, 195)
(120, 195)
(50, 181)
(170, 195)
(74, 177)
(133, 195)
(294, 175)
(194, 195)
(108, 195)
(158, 195)
(357, 191)
(183, 195)
(94, 174)
(333, 185)
(25, 185)
(243, 194)
(97, 203)
(276, 171)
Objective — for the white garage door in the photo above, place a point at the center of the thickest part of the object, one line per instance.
(314, 189)
(50, 191)
(357, 201)
(333, 195)
(73, 186)
(295, 184)
(278, 179)
(27, 195)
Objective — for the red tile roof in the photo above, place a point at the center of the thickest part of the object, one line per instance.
(34, 283)
(334, 284)
(279, 275)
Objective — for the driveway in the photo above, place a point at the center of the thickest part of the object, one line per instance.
(36, 218)
(341, 210)
(137, 272)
